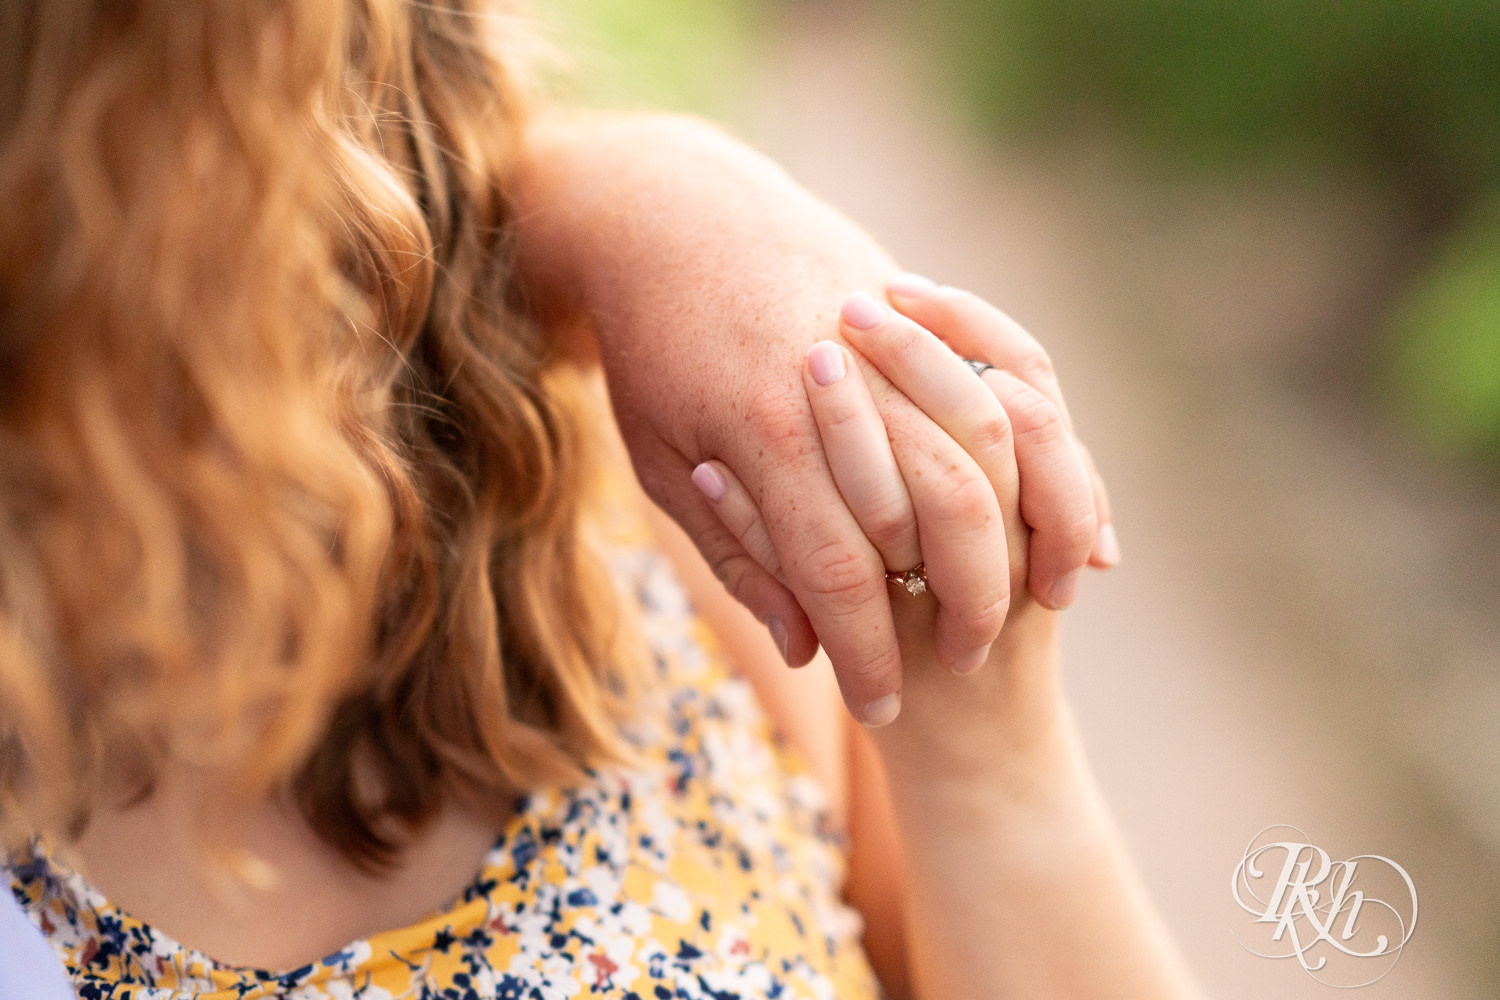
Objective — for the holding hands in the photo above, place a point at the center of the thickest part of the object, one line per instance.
(987, 450)
(701, 268)
(1012, 867)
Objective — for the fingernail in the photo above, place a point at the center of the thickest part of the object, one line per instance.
(971, 661)
(826, 362)
(778, 634)
(910, 286)
(1107, 545)
(882, 711)
(707, 479)
(862, 312)
(1064, 590)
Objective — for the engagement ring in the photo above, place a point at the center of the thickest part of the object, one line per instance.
(914, 580)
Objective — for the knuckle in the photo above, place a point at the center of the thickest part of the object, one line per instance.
(889, 523)
(1081, 530)
(777, 415)
(893, 338)
(907, 339)
(836, 417)
(733, 571)
(994, 435)
(1037, 421)
(1035, 366)
(963, 497)
(875, 671)
(985, 616)
(836, 571)
(1069, 540)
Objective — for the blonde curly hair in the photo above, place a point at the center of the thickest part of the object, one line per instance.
(289, 487)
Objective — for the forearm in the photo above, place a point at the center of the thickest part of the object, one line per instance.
(1018, 882)
(647, 222)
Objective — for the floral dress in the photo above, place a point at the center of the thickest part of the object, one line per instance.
(705, 872)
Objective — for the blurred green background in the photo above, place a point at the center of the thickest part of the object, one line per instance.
(1403, 94)
(666, 54)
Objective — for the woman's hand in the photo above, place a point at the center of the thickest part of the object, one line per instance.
(1016, 883)
(993, 450)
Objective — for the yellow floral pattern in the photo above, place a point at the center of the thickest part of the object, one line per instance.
(706, 871)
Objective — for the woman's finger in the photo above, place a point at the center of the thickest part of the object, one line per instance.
(991, 417)
(977, 329)
(872, 696)
(960, 492)
(859, 455)
(738, 513)
(1057, 495)
(745, 576)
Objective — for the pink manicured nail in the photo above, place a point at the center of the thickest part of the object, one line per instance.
(826, 362)
(882, 711)
(971, 661)
(862, 312)
(910, 286)
(1107, 545)
(708, 479)
(1064, 590)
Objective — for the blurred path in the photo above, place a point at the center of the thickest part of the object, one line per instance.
(1282, 644)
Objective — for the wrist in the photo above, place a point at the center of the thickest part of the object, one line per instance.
(999, 723)
(1033, 801)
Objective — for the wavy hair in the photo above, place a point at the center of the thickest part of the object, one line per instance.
(289, 487)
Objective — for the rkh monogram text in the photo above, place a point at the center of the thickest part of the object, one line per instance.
(1324, 912)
